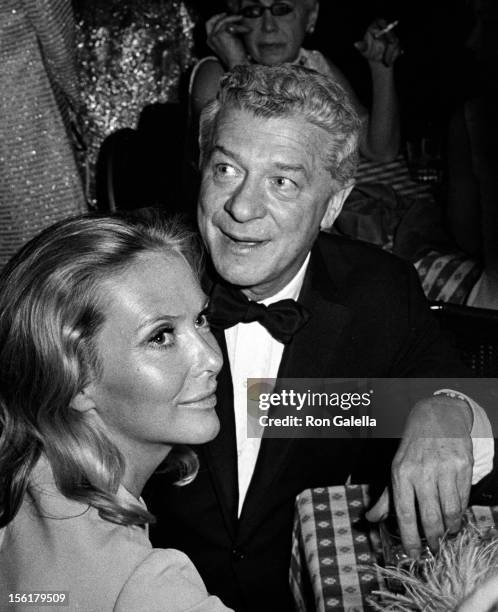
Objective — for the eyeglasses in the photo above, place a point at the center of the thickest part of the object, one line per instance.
(279, 9)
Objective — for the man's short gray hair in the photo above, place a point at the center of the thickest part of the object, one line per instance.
(286, 91)
(234, 5)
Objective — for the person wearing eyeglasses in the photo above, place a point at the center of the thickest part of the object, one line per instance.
(272, 33)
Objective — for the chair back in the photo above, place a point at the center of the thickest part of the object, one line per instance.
(475, 333)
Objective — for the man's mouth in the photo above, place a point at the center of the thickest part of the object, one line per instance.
(243, 241)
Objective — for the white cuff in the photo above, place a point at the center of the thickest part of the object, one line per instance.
(483, 444)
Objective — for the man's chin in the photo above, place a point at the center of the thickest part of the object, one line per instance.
(236, 273)
(244, 281)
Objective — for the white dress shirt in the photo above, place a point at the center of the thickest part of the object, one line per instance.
(254, 353)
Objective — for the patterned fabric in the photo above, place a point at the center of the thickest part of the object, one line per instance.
(39, 179)
(395, 174)
(329, 547)
(333, 551)
(447, 277)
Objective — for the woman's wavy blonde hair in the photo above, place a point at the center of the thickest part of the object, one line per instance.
(49, 315)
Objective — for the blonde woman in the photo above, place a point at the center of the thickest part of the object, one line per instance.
(107, 367)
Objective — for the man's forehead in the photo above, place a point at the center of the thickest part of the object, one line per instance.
(288, 140)
(299, 3)
(293, 125)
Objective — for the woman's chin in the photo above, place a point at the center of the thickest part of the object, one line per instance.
(207, 433)
(272, 55)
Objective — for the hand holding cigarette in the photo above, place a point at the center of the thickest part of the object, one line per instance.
(388, 28)
(380, 45)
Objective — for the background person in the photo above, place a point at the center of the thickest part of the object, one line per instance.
(271, 33)
(40, 181)
(472, 208)
(107, 367)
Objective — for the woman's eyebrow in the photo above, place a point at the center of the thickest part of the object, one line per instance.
(162, 318)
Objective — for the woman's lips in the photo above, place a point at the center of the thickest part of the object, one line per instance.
(271, 47)
(204, 402)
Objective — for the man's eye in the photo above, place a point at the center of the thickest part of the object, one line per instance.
(163, 337)
(202, 320)
(224, 171)
(285, 185)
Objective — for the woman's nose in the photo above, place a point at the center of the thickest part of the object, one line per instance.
(209, 357)
(269, 22)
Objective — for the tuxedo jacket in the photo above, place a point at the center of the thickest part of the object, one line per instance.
(369, 318)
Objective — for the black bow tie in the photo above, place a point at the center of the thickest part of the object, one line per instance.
(229, 306)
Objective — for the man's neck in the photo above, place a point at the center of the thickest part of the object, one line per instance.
(283, 290)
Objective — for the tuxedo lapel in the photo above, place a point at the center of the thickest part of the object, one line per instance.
(221, 453)
(316, 351)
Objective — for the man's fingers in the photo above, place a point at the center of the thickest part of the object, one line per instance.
(404, 503)
(380, 510)
(454, 481)
(451, 504)
(464, 482)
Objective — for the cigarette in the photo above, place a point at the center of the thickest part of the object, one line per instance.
(387, 29)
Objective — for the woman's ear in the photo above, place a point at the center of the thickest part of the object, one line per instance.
(83, 401)
(312, 17)
(233, 6)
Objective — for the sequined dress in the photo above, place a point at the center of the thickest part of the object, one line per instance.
(131, 53)
(39, 179)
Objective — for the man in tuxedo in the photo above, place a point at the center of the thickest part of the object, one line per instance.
(278, 157)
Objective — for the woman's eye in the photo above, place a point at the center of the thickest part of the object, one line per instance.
(162, 337)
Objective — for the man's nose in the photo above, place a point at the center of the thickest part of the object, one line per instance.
(246, 203)
(269, 22)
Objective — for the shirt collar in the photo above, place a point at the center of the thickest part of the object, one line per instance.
(293, 287)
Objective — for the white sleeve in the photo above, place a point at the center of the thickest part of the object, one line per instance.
(483, 445)
(166, 581)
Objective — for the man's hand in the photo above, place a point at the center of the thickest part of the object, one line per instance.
(433, 469)
(224, 38)
(379, 48)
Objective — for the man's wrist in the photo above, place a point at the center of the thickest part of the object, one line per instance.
(452, 394)
(459, 400)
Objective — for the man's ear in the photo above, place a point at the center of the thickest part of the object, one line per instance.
(83, 401)
(334, 207)
(312, 17)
